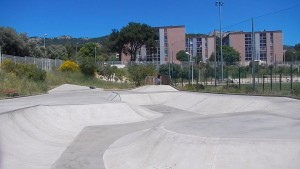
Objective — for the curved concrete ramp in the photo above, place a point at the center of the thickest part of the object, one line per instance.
(33, 138)
(154, 88)
(202, 103)
(231, 141)
(152, 128)
(67, 88)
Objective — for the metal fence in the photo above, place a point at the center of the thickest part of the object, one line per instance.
(42, 63)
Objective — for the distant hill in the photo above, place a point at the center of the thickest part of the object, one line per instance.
(67, 40)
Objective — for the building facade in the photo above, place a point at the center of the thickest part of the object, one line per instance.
(171, 39)
(200, 46)
(267, 46)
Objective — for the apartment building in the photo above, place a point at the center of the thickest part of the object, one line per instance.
(268, 48)
(200, 46)
(171, 39)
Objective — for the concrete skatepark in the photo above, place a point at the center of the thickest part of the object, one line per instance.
(151, 127)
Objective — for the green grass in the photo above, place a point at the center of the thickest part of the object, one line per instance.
(27, 87)
(260, 89)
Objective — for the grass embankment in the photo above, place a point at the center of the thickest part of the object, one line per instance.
(26, 87)
(260, 89)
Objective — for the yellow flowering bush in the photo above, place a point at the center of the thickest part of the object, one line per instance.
(69, 66)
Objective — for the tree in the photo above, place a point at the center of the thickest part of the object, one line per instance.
(230, 55)
(57, 52)
(297, 47)
(175, 70)
(138, 73)
(135, 35)
(182, 56)
(87, 51)
(114, 43)
(34, 49)
(12, 43)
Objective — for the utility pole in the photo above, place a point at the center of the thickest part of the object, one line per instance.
(220, 4)
(215, 49)
(253, 55)
(95, 54)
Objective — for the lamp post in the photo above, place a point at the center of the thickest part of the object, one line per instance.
(44, 51)
(220, 4)
(76, 53)
(45, 40)
(190, 62)
(95, 54)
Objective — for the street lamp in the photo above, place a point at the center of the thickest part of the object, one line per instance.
(95, 54)
(45, 50)
(220, 4)
(45, 40)
(190, 68)
(76, 53)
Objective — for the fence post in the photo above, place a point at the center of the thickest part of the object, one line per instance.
(280, 81)
(271, 78)
(291, 74)
(239, 78)
(263, 78)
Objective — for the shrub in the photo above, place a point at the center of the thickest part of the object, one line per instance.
(296, 90)
(69, 66)
(21, 70)
(8, 66)
(231, 86)
(88, 67)
(138, 73)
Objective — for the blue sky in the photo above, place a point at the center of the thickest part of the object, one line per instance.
(94, 18)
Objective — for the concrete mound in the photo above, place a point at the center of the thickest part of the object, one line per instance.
(65, 88)
(155, 88)
(34, 138)
(227, 142)
(202, 103)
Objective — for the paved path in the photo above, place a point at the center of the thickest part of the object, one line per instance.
(87, 150)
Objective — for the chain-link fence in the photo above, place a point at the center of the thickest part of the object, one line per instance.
(283, 78)
(42, 63)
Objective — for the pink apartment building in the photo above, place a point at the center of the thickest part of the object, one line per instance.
(267, 46)
(171, 39)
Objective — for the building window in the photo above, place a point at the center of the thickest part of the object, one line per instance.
(271, 38)
(248, 47)
(263, 46)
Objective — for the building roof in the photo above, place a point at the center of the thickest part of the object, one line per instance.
(264, 31)
(178, 26)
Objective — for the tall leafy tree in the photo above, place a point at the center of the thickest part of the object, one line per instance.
(182, 56)
(230, 55)
(134, 36)
(114, 43)
(88, 50)
(57, 52)
(13, 43)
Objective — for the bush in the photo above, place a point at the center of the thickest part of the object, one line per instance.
(296, 90)
(138, 73)
(231, 86)
(194, 87)
(69, 66)
(21, 70)
(8, 66)
(88, 67)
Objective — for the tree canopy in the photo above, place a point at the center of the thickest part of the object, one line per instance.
(131, 38)
(230, 55)
(182, 56)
